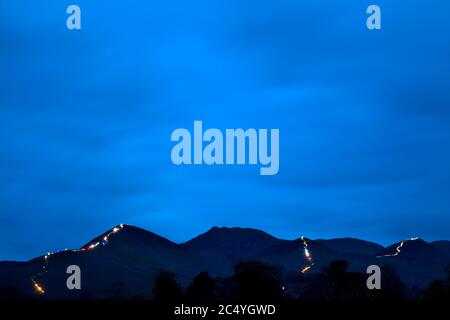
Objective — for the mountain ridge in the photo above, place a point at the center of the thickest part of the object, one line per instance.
(133, 256)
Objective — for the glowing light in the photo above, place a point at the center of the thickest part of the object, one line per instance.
(307, 255)
(39, 288)
(93, 246)
(398, 250)
(305, 269)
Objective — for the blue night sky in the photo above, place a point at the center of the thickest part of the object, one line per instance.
(86, 118)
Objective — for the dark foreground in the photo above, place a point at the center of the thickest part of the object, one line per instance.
(284, 310)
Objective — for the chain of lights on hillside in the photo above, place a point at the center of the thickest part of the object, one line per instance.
(90, 246)
(398, 249)
(308, 256)
(306, 252)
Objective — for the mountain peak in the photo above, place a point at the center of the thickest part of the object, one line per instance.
(237, 230)
(128, 234)
(414, 246)
(232, 240)
(351, 245)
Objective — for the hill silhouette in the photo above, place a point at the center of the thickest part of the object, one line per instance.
(127, 259)
(352, 245)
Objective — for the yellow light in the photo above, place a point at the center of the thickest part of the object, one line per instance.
(307, 255)
(38, 288)
(306, 269)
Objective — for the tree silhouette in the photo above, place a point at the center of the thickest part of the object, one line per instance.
(166, 288)
(294, 285)
(436, 291)
(202, 288)
(439, 290)
(255, 281)
(392, 288)
(8, 292)
(335, 283)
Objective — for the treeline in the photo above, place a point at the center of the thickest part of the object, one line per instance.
(257, 281)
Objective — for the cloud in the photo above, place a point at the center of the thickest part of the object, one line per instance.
(85, 119)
